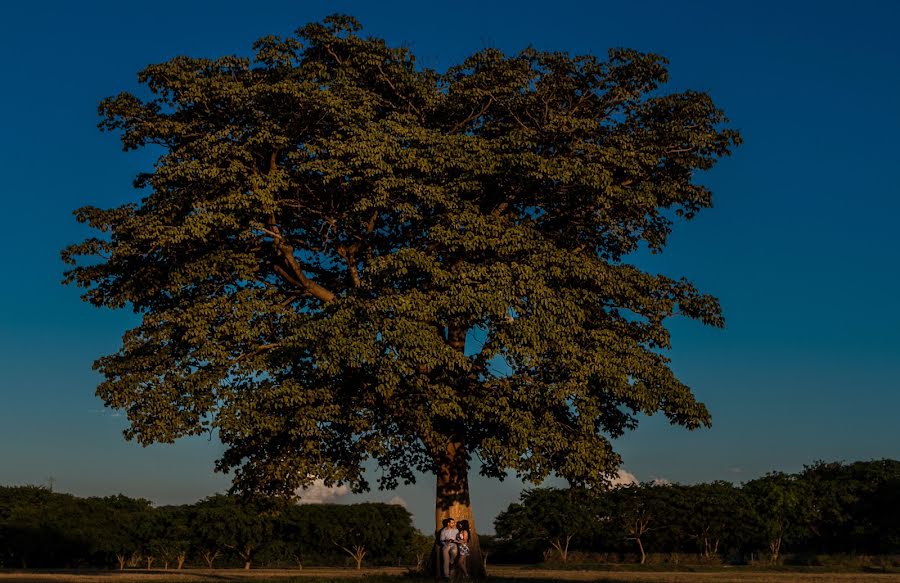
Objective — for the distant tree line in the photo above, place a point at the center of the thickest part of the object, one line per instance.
(44, 529)
(827, 509)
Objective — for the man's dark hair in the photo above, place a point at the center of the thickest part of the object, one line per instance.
(446, 521)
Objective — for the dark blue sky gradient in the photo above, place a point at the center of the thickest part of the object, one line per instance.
(801, 246)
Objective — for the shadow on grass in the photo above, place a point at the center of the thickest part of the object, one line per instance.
(412, 579)
(405, 579)
(599, 579)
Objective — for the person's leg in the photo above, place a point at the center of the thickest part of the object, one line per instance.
(453, 553)
(463, 563)
(445, 558)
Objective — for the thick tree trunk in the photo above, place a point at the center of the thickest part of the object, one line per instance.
(453, 501)
(452, 492)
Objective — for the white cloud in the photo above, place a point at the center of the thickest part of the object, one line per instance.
(397, 501)
(623, 478)
(660, 482)
(319, 493)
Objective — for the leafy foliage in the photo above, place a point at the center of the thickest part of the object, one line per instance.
(343, 256)
(39, 528)
(830, 508)
(546, 518)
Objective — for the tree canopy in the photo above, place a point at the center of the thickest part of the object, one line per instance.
(340, 256)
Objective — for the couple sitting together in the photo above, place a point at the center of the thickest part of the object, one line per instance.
(454, 542)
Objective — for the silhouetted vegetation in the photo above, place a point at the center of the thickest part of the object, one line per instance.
(830, 514)
(828, 509)
(42, 529)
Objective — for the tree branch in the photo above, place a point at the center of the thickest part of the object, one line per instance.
(498, 210)
(258, 350)
(297, 277)
(334, 56)
(396, 91)
(679, 150)
(473, 115)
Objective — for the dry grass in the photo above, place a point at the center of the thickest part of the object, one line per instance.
(725, 575)
(499, 574)
(199, 575)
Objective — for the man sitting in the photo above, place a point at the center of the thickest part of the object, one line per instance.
(449, 545)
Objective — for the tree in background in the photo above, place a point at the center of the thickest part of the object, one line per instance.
(243, 526)
(640, 509)
(546, 517)
(175, 543)
(716, 513)
(116, 521)
(850, 508)
(831, 511)
(340, 255)
(782, 506)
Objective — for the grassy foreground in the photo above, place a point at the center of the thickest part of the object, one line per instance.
(498, 574)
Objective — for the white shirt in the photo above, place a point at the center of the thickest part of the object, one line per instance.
(448, 534)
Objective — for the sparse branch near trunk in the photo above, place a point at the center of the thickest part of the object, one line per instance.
(475, 114)
(210, 557)
(259, 350)
(358, 552)
(296, 275)
(562, 547)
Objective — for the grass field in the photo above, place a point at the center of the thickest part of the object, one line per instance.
(498, 574)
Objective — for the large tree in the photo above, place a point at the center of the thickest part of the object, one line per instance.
(342, 256)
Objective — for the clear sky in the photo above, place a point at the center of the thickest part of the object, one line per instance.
(801, 246)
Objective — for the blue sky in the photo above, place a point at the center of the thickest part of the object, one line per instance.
(801, 246)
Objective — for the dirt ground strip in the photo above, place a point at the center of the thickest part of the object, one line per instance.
(188, 575)
(497, 574)
(501, 573)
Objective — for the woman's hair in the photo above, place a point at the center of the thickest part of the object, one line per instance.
(462, 525)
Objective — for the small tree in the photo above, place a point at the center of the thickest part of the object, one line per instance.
(240, 525)
(782, 507)
(715, 512)
(422, 546)
(357, 552)
(640, 510)
(120, 518)
(549, 516)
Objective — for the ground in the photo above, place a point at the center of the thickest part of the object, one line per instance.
(498, 574)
